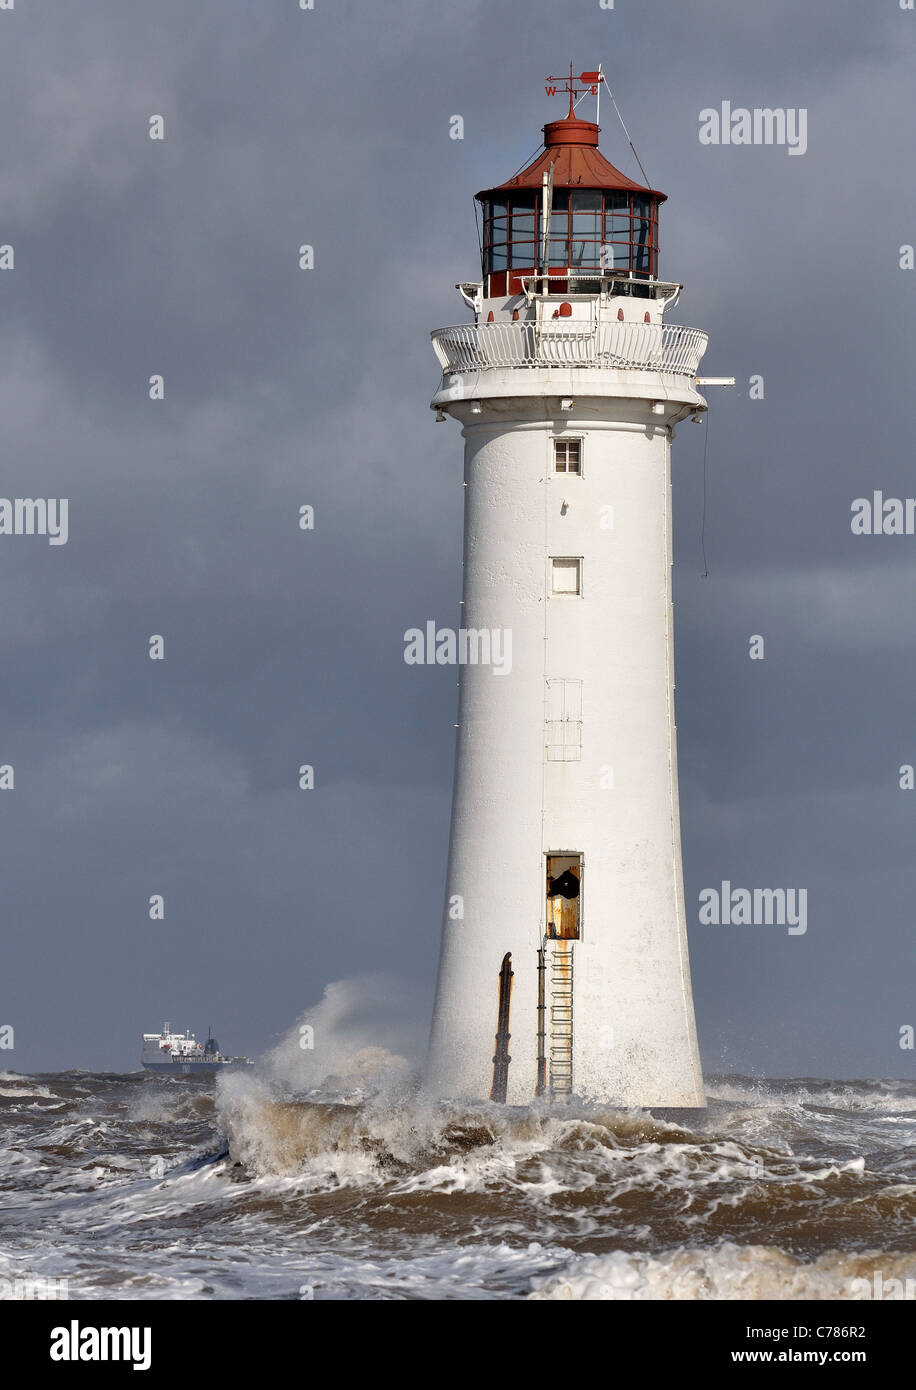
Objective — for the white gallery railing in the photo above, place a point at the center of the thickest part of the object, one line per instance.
(641, 347)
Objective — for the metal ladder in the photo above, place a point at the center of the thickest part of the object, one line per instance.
(561, 1019)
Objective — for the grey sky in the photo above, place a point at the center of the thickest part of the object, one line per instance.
(285, 387)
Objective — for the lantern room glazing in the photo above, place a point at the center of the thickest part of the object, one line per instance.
(600, 221)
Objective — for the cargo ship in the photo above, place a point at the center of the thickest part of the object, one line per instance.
(180, 1054)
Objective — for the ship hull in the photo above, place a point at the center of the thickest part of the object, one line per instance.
(202, 1068)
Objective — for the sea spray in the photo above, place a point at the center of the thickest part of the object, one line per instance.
(783, 1189)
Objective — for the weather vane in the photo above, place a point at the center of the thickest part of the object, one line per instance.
(590, 83)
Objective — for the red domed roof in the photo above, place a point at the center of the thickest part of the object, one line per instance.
(571, 146)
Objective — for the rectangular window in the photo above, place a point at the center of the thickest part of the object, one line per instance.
(586, 228)
(584, 254)
(522, 255)
(558, 251)
(566, 574)
(564, 720)
(496, 229)
(521, 249)
(564, 897)
(567, 455)
(523, 219)
(617, 226)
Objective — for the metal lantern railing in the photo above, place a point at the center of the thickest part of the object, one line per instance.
(648, 347)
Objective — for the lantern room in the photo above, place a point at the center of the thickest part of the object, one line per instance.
(601, 225)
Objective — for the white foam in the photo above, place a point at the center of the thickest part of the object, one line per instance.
(727, 1271)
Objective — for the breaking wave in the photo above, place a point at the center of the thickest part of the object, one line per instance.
(325, 1173)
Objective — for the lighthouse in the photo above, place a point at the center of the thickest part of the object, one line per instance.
(564, 968)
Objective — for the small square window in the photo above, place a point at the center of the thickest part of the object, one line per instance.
(566, 574)
(567, 455)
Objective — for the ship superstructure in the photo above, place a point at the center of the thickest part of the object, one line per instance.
(180, 1054)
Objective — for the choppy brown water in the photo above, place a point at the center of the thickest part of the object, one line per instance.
(142, 1186)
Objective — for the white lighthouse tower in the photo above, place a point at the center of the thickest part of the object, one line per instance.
(564, 963)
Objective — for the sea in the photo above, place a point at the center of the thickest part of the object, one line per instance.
(284, 1181)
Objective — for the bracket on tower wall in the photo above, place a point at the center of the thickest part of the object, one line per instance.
(472, 294)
